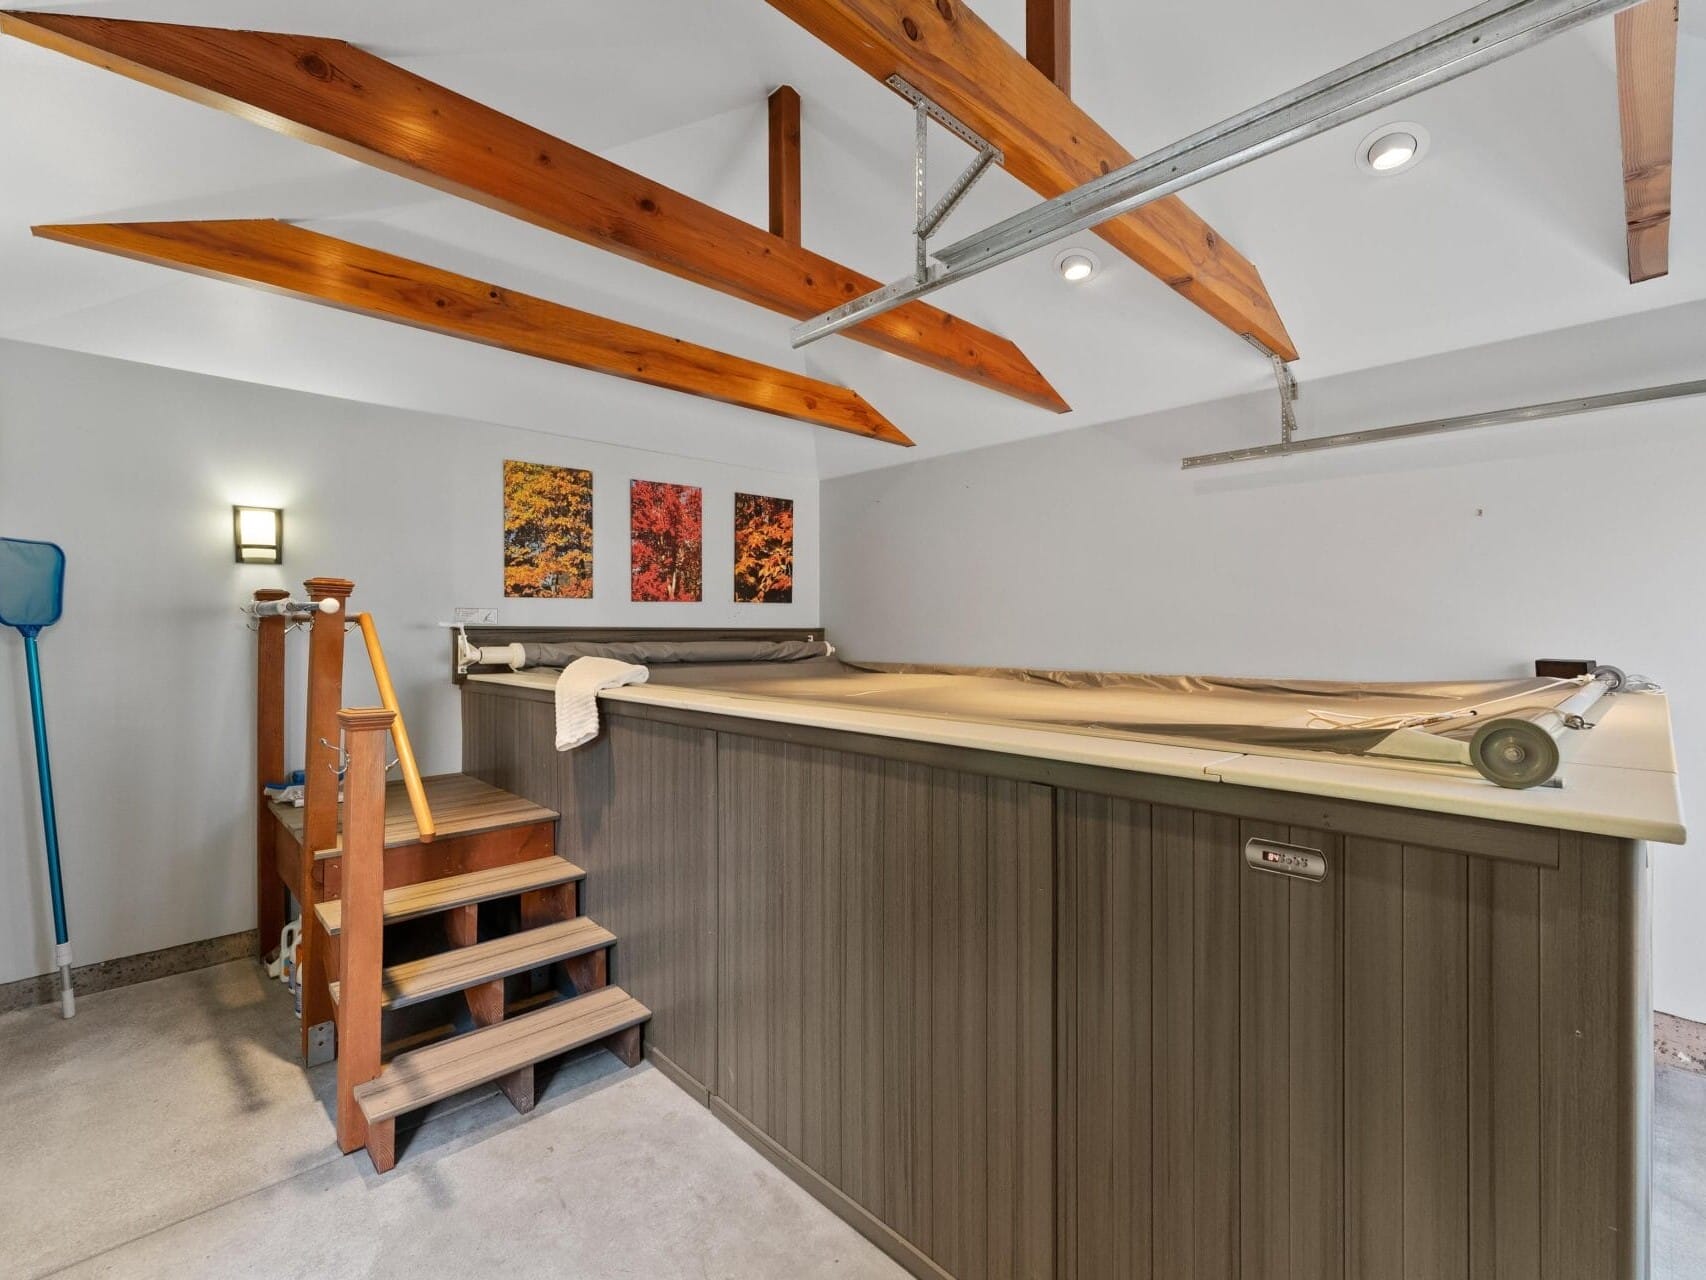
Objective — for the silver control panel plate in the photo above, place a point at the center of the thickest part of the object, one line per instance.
(1285, 859)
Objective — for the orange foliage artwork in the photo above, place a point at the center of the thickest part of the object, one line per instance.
(547, 531)
(764, 549)
(666, 527)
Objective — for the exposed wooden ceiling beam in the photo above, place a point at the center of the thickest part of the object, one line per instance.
(785, 164)
(337, 96)
(318, 268)
(1048, 40)
(1646, 99)
(948, 53)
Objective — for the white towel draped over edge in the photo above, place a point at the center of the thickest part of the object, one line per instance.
(577, 696)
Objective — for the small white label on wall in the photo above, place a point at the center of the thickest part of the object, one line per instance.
(483, 617)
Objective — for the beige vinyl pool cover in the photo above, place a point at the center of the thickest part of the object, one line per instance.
(1508, 730)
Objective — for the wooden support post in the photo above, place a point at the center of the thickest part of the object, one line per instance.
(1646, 101)
(1048, 40)
(590, 972)
(269, 767)
(548, 906)
(320, 812)
(382, 1145)
(486, 1001)
(785, 164)
(362, 937)
(626, 1045)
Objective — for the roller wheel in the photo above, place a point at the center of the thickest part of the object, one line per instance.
(1618, 679)
(1514, 753)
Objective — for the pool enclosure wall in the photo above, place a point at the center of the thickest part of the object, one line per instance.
(1021, 1018)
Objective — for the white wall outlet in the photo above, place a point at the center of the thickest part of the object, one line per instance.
(483, 617)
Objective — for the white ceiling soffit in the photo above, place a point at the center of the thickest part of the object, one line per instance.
(1513, 225)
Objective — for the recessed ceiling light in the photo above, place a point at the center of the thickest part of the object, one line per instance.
(1076, 265)
(1393, 148)
(1391, 152)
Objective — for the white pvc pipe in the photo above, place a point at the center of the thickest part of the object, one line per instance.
(289, 608)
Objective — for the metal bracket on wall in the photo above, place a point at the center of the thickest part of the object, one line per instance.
(1288, 444)
(927, 218)
(1288, 397)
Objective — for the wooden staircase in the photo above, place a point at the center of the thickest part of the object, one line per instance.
(553, 937)
(430, 864)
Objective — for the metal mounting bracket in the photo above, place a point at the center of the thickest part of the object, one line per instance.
(1487, 33)
(927, 218)
(1288, 397)
(322, 1043)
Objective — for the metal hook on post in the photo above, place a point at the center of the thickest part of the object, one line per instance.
(342, 766)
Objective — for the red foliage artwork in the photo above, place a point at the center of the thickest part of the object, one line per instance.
(666, 526)
(764, 549)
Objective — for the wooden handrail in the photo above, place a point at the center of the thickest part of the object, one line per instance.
(399, 733)
(361, 935)
(269, 767)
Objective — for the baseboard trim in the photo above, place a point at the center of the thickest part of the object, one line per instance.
(680, 1078)
(830, 1196)
(124, 971)
(1680, 1043)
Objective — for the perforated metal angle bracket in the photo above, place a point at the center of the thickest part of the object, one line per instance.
(927, 218)
(322, 1043)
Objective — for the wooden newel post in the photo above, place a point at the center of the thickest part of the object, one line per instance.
(269, 767)
(360, 953)
(320, 807)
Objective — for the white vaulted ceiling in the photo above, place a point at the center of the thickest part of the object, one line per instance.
(1513, 225)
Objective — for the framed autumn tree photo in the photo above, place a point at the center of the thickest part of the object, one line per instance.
(666, 529)
(764, 549)
(547, 531)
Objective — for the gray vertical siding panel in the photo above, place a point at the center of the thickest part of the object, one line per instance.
(1373, 903)
(1315, 1062)
(1173, 1108)
(1265, 1081)
(639, 814)
(872, 1018)
(1218, 1055)
(1038, 1031)
(1436, 1053)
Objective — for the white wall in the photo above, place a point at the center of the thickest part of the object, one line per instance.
(1467, 555)
(149, 677)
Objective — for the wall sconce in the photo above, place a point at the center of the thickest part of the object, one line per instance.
(259, 534)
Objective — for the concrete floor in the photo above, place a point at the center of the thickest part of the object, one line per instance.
(168, 1131)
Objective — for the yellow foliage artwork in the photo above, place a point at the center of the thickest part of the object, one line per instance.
(547, 531)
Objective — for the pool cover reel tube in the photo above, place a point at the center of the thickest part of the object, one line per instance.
(1522, 751)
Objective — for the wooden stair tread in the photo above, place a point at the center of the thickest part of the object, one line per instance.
(424, 1076)
(410, 900)
(461, 806)
(457, 970)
